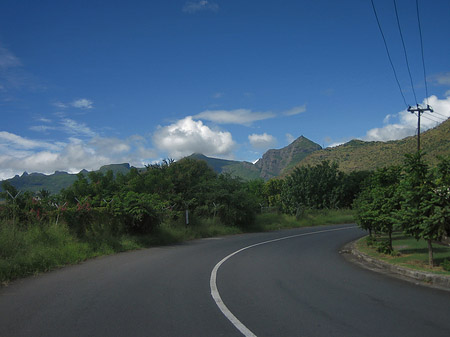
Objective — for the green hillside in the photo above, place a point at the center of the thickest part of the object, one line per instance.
(271, 165)
(360, 155)
(242, 169)
(35, 182)
(275, 162)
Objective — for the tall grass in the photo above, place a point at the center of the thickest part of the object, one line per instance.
(37, 249)
(42, 247)
(272, 221)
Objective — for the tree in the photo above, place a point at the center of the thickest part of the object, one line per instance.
(378, 203)
(424, 210)
(315, 187)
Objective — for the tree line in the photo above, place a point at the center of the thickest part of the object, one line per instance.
(182, 193)
(413, 198)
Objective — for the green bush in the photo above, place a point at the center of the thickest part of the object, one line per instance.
(384, 247)
(446, 264)
(370, 240)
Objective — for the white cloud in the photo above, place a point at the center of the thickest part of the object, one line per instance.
(238, 116)
(262, 141)
(42, 128)
(7, 59)
(110, 145)
(19, 154)
(407, 124)
(187, 136)
(60, 105)
(82, 103)
(290, 138)
(218, 95)
(441, 79)
(75, 128)
(335, 144)
(8, 139)
(447, 93)
(202, 5)
(295, 110)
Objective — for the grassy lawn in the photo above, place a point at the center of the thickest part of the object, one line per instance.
(409, 253)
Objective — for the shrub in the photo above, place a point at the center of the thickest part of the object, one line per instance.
(384, 247)
(446, 264)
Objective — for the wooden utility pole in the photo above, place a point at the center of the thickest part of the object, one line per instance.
(419, 111)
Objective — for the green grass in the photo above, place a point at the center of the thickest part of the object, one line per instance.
(409, 253)
(43, 247)
(273, 221)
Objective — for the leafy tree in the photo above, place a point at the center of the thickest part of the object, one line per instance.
(379, 201)
(141, 212)
(351, 185)
(424, 211)
(272, 193)
(441, 197)
(312, 187)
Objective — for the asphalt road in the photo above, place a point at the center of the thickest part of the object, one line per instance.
(298, 286)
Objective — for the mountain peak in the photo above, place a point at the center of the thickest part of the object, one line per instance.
(274, 162)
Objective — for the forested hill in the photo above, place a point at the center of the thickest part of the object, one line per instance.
(55, 182)
(243, 169)
(355, 155)
(358, 155)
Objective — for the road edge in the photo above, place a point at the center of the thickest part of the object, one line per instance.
(415, 276)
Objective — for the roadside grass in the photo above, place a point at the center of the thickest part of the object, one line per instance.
(39, 248)
(409, 253)
(273, 221)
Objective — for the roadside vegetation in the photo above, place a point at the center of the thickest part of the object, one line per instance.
(170, 202)
(407, 252)
(413, 200)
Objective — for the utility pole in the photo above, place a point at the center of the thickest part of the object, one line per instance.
(419, 111)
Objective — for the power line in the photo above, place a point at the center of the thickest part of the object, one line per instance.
(421, 47)
(431, 119)
(404, 51)
(437, 113)
(388, 54)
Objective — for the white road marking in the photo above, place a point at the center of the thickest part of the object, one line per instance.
(215, 292)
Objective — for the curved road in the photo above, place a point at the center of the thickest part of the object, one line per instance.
(297, 286)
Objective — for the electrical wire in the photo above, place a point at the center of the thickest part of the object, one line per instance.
(437, 113)
(404, 51)
(388, 54)
(440, 119)
(421, 47)
(430, 119)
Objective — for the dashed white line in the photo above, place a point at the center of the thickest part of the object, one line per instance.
(215, 292)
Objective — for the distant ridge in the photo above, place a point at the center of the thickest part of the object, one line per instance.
(358, 155)
(55, 182)
(242, 169)
(271, 165)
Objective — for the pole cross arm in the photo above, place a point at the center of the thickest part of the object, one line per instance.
(420, 110)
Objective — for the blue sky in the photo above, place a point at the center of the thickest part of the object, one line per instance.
(89, 83)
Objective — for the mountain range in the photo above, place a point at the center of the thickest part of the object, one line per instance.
(356, 155)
